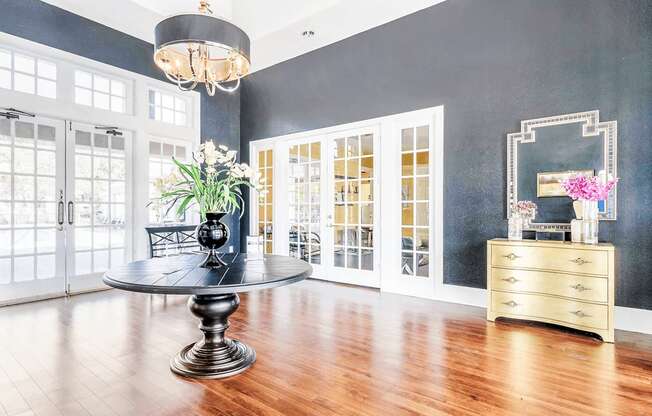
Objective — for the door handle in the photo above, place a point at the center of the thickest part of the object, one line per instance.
(60, 215)
(60, 218)
(71, 212)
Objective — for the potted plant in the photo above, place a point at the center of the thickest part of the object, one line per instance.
(588, 190)
(522, 214)
(213, 183)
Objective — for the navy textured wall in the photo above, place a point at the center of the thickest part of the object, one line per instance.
(43, 23)
(491, 63)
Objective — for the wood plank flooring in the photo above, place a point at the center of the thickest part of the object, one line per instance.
(323, 349)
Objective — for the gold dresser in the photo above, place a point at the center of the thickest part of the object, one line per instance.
(569, 284)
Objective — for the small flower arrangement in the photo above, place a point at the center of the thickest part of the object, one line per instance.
(212, 181)
(588, 188)
(525, 209)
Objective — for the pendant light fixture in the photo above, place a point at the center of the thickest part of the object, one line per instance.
(198, 48)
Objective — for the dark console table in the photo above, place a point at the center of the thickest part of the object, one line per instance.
(214, 296)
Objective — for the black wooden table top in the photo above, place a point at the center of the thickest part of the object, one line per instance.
(180, 275)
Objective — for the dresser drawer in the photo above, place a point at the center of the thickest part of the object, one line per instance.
(593, 289)
(551, 258)
(553, 310)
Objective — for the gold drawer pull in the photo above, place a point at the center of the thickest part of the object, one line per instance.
(511, 279)
(580, 314)
(511, 304)
(512, 256)
(580, 261)
(580, 288)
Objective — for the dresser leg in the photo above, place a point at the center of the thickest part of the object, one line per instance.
(607, 336)
(491, 316)
(215, 355)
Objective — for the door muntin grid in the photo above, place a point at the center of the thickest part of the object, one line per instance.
(28, 201)
(304, 201)
(99, 193)
(353, 202)
(265, 199)
(415, 201)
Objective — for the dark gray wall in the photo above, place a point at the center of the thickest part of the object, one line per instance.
(491, 63)
(60, 29)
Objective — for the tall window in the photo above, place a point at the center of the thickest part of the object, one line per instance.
(168, 108)
(304, 204)
(161, 167)
(100, 92)
(26, 74)
(415, 196)
(265, 201)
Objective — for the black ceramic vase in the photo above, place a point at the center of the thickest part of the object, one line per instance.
(211, 235)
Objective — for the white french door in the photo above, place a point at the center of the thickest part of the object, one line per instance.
(98, 226)
(32, 169)
(326, 206)
(351, 208)
(64, 206)
(330, 187)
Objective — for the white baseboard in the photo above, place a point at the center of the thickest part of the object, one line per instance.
(626, 319)
(632, 319)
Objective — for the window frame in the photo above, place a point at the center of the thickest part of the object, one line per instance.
(35, 74)
(126, 86)
(185, 219)
(176, 98)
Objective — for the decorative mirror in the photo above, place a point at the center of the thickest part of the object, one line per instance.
(550, 149)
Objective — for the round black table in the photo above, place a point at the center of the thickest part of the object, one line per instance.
(214, 297)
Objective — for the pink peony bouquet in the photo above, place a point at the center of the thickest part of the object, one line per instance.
(525, 209)
(588, 189)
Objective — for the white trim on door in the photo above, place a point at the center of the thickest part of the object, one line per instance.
(135, 120)
(387, 204)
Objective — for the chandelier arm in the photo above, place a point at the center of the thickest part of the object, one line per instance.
(210, 88)
(189, 88)
(192, 68)
(177, 79)
(218, 85)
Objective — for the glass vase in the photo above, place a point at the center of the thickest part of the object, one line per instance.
(590, 222)
(515, 228)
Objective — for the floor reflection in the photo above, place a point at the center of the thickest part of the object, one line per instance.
(322, 349)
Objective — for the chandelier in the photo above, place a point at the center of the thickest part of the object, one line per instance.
(198, 48)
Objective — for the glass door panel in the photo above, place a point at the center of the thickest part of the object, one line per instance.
(415, 201)
(304, 193)
(353, 208)
(32, 171)
(97, 222)
(265, 199)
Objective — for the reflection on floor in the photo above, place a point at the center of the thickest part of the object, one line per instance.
(323, 349)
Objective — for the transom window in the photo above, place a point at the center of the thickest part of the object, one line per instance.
(27, 74)
(100, 92)
(161, 169)
(168, 108)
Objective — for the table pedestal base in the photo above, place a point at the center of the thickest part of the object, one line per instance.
(215, 356)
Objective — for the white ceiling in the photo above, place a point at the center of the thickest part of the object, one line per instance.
(274, 27)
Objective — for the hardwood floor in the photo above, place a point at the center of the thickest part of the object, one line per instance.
(323, 349)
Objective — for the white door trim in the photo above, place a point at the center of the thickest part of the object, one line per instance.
(385, 126)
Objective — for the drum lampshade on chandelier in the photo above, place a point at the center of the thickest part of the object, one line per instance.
(198, 48)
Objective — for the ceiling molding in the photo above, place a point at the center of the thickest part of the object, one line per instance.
(275, 28)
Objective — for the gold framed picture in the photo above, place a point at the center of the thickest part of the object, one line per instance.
(549, 183)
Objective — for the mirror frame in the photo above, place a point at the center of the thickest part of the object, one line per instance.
(591, 127)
